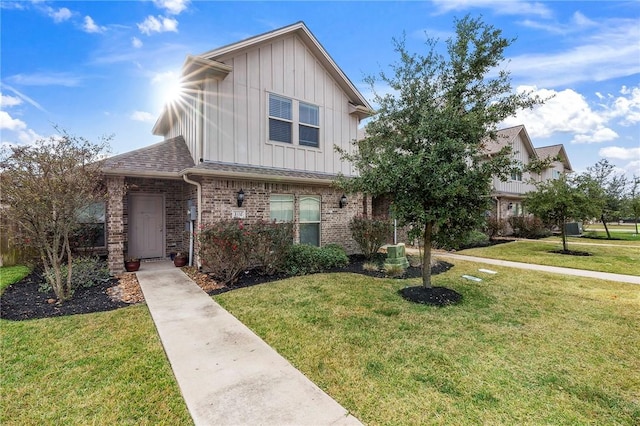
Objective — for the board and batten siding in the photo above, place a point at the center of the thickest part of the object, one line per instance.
(521, 155)
(235, 110)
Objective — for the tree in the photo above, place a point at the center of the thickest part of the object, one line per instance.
(46, 185)
(559, 200)
(425, 146)
(612, 191)
(633, 200)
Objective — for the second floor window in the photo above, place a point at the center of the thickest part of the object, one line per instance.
(556, 174)
(517, 176)
(280, 119)
(292, 121)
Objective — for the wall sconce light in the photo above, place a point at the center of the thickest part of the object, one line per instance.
(343, 201)
(240, 197)
(509, 206)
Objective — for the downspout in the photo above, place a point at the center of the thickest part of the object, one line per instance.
(199, 209)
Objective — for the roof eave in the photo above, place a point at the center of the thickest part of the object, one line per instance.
(258, 176)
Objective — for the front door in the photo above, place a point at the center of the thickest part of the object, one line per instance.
(146, 226)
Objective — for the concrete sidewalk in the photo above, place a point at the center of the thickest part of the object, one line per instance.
(227, 374)
(631, 279)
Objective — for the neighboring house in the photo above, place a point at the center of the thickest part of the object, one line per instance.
(508, 195)
(258, 120)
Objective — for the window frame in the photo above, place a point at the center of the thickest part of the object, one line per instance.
(295, 122)
(281, 119)
(284, 198)
(317, 222)
(81, 221)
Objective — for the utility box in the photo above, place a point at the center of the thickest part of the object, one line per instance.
(573, 229)
(396, 256)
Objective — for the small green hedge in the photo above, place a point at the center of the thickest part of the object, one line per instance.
(304, 259)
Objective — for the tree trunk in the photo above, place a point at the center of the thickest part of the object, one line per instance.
(604, 222)
(426, 261)
(563, 233)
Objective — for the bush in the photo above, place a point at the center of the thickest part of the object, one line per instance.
(370, 234)
(528, 227)
(228, 248)
(304, 259)
(85, 272)
(454, 241)
(495, 227)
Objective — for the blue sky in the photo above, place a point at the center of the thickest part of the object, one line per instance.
(98, 68)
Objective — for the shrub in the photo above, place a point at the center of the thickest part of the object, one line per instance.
(228, 248)
(304, 259)
(85, 272)
(394, 271)
(224, 249)
(454, 241)
(495, 227)
(370, 234)
(528, 227)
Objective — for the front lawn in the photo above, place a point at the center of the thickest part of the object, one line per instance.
(622, 259)
(10, 275)
(522, 348)
(105, 368)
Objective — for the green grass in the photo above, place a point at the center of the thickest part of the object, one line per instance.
(621, 259)
(601, 236)
(10, 275)
(522, 348)
(105, 368)
(628, 241)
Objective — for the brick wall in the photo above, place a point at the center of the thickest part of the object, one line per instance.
(220, 200)
(116, 235)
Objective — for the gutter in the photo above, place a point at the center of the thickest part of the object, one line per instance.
(199, 207)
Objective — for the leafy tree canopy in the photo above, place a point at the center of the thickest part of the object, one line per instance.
(426, 144)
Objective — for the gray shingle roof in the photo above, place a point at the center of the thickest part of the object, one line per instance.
(554, 151)
(167, 158)
(504, 138)
(258, 172)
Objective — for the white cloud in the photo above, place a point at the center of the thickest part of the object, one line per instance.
(142, 116)
(59, 15)
(46, 79)
(9, 123)
(136, 42)
(620, 153)
(601, 134)
(28, 136)
(500, 7)
(25, 98)
(90, 26)
(627, 106)
(605, 53)
(158, 25)
(9, 101)
(167, 76)
(565, 112)
(174, 7)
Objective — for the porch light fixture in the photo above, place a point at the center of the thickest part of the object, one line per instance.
(510, 206)
(240, 197)
(343, 201)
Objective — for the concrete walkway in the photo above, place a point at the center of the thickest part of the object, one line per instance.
(631, 279)
(227, 374)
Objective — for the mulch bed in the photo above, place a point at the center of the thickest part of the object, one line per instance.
(571, 252)
(437, 296)
(23, 300)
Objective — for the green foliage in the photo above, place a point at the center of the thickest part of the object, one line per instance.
(471, 238)
(612, 188)
(528, 227)
(304, 259)
(370, 234)
(426, 145)
(228, 248)
(394, 271)
(44, 186)
(85, 272)
(556, 201)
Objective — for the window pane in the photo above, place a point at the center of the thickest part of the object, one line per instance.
(309, 114)
(309, 136)
(310, 209)
(310, 234)
(279, 107)
(281, 208)
(279, 130)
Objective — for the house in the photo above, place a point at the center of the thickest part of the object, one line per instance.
(251, 138)
(508, 196)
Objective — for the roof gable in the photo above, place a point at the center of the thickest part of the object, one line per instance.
(164, 159)
(555, 151)
(311, 42)
(506, 137)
